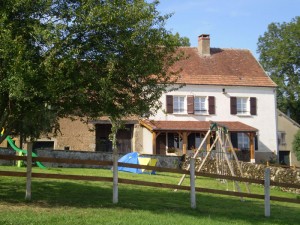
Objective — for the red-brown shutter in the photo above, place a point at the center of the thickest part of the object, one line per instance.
(233, 110)
(190, 104)
(169, 105)
(211, 105)
(253, 106)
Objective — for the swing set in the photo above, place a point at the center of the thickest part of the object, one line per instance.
(222, 144)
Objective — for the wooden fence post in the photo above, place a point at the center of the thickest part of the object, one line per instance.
(192, 183)
(267, 193)
(28, 175)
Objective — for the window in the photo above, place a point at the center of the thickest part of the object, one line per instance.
(243, 141)
(243, 106)
(190, 104)
(281, 138)
(178, 104)
(174, 141)
(200, 105)
(194, 141)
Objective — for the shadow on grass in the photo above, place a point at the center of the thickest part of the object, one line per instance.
(53, 193)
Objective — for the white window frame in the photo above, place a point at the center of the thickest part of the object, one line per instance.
(243, 105)
(179, 104)
(243, 141)
(200, 105)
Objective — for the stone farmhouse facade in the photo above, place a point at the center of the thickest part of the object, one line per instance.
(227, 86)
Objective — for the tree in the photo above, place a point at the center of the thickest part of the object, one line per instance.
(296, 145)
(22, 76)
(84, 58)
(279, 50)
(184, 41)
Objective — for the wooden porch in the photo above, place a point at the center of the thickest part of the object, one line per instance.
(161, 129)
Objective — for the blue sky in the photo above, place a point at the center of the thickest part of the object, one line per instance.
(230, 23)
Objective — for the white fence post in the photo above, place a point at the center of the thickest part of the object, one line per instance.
(267, 193)
(192, 183)
(115, 177)
(28, 175)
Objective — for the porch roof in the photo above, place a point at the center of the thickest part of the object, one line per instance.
(162, 125)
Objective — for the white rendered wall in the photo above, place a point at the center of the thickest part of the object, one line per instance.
(147, 142)
(264, 121)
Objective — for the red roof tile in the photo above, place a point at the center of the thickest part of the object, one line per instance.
(230, 67)
(234, 126)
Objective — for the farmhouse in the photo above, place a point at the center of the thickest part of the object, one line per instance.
(227, 86)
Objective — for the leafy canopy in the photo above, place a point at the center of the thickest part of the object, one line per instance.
(279, 50)
(86, 58)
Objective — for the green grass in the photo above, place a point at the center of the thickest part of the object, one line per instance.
(80, 202)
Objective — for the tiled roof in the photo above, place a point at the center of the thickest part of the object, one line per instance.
(229, 67)
(157, 125)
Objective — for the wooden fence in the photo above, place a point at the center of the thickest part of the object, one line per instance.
(192, 188)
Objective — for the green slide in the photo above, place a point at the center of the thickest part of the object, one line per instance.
(12, 144)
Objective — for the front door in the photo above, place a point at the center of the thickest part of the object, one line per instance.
(161, 144)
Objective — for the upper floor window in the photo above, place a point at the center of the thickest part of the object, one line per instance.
(200, 105)
(243, 106)
(281, 138)
(190, 104)
(178, 104)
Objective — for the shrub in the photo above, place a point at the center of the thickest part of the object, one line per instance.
(296, 145)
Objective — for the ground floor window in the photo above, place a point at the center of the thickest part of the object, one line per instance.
(243, 141)
(194, 141)
(174, 141)
(42, 145)
(284, 158)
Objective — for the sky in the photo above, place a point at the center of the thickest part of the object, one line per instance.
(230, 23)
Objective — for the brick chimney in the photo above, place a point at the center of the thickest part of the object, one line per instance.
(204, 44)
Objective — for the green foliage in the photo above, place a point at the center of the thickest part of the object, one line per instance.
(280, 57)
(296, 145)
(85, 58)
(22, 76)
(184, 41)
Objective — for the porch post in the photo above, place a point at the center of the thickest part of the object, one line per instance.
(208, 143)
(252, 151)
(184, 144)
(154, 143)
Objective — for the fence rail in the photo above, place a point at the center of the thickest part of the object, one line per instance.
(147, 183)
(160, 169)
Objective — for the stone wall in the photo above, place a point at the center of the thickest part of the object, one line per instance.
(6, 151)
(163, 161)
(250, 170)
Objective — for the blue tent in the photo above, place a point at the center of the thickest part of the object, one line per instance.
(130, 158)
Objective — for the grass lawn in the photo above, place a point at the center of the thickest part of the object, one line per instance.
(81, 202)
